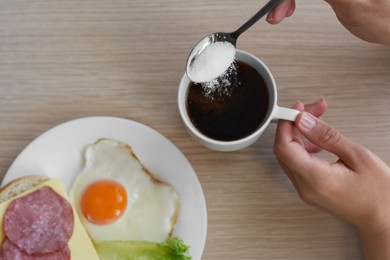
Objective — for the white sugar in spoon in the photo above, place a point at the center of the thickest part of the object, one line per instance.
(213, 55)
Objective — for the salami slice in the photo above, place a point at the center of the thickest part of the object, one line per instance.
(40, 222)
(11, 251)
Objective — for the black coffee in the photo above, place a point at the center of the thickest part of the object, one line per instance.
(233, 108)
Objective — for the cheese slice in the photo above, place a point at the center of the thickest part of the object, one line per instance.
(80, 245)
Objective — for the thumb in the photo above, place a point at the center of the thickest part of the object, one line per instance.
(328, 138)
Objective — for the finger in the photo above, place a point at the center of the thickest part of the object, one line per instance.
(328, 138)
(285, 130)
(291, 10)
(280, 12)
(317, 108)
(290, 175)
(311, 148)
(303, 188)
(295, 160)
(289, 147)
(301, 185)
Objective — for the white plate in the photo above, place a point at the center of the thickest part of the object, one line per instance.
(58, 153)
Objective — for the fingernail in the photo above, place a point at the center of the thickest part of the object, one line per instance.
(299, 102)
(307, 121)
(270, 16)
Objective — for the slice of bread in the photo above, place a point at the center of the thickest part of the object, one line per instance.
(80, 245)
(20, 185)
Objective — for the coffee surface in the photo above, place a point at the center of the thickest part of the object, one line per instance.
(232, 110)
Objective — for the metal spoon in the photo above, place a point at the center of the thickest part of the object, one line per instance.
(226, 37)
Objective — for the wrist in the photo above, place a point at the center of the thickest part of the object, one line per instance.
(375, 246)
(375, 222)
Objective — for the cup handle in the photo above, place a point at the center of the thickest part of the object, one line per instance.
(284, 113)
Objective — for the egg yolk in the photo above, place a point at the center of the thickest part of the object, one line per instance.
(103, 202)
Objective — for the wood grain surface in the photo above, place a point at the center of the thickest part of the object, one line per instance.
(61, 60)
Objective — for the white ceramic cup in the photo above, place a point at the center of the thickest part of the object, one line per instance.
(274, 112)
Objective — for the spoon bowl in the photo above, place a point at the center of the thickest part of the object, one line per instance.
(206, 42)
(224, 37)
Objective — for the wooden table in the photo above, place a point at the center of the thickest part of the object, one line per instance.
(61, 60)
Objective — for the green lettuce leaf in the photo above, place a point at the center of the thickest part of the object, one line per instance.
(171, 249)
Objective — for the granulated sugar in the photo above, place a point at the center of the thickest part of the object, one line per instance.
(212, 62)
(224, 84)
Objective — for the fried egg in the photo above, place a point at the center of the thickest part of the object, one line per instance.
(117, 198)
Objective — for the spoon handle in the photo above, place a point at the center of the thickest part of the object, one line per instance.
(263, 11)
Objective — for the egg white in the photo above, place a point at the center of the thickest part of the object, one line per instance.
(152, 205)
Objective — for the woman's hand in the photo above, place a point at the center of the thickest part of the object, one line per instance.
(355, 188)
(368, 20)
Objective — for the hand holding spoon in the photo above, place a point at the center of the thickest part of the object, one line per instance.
(206, 63)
